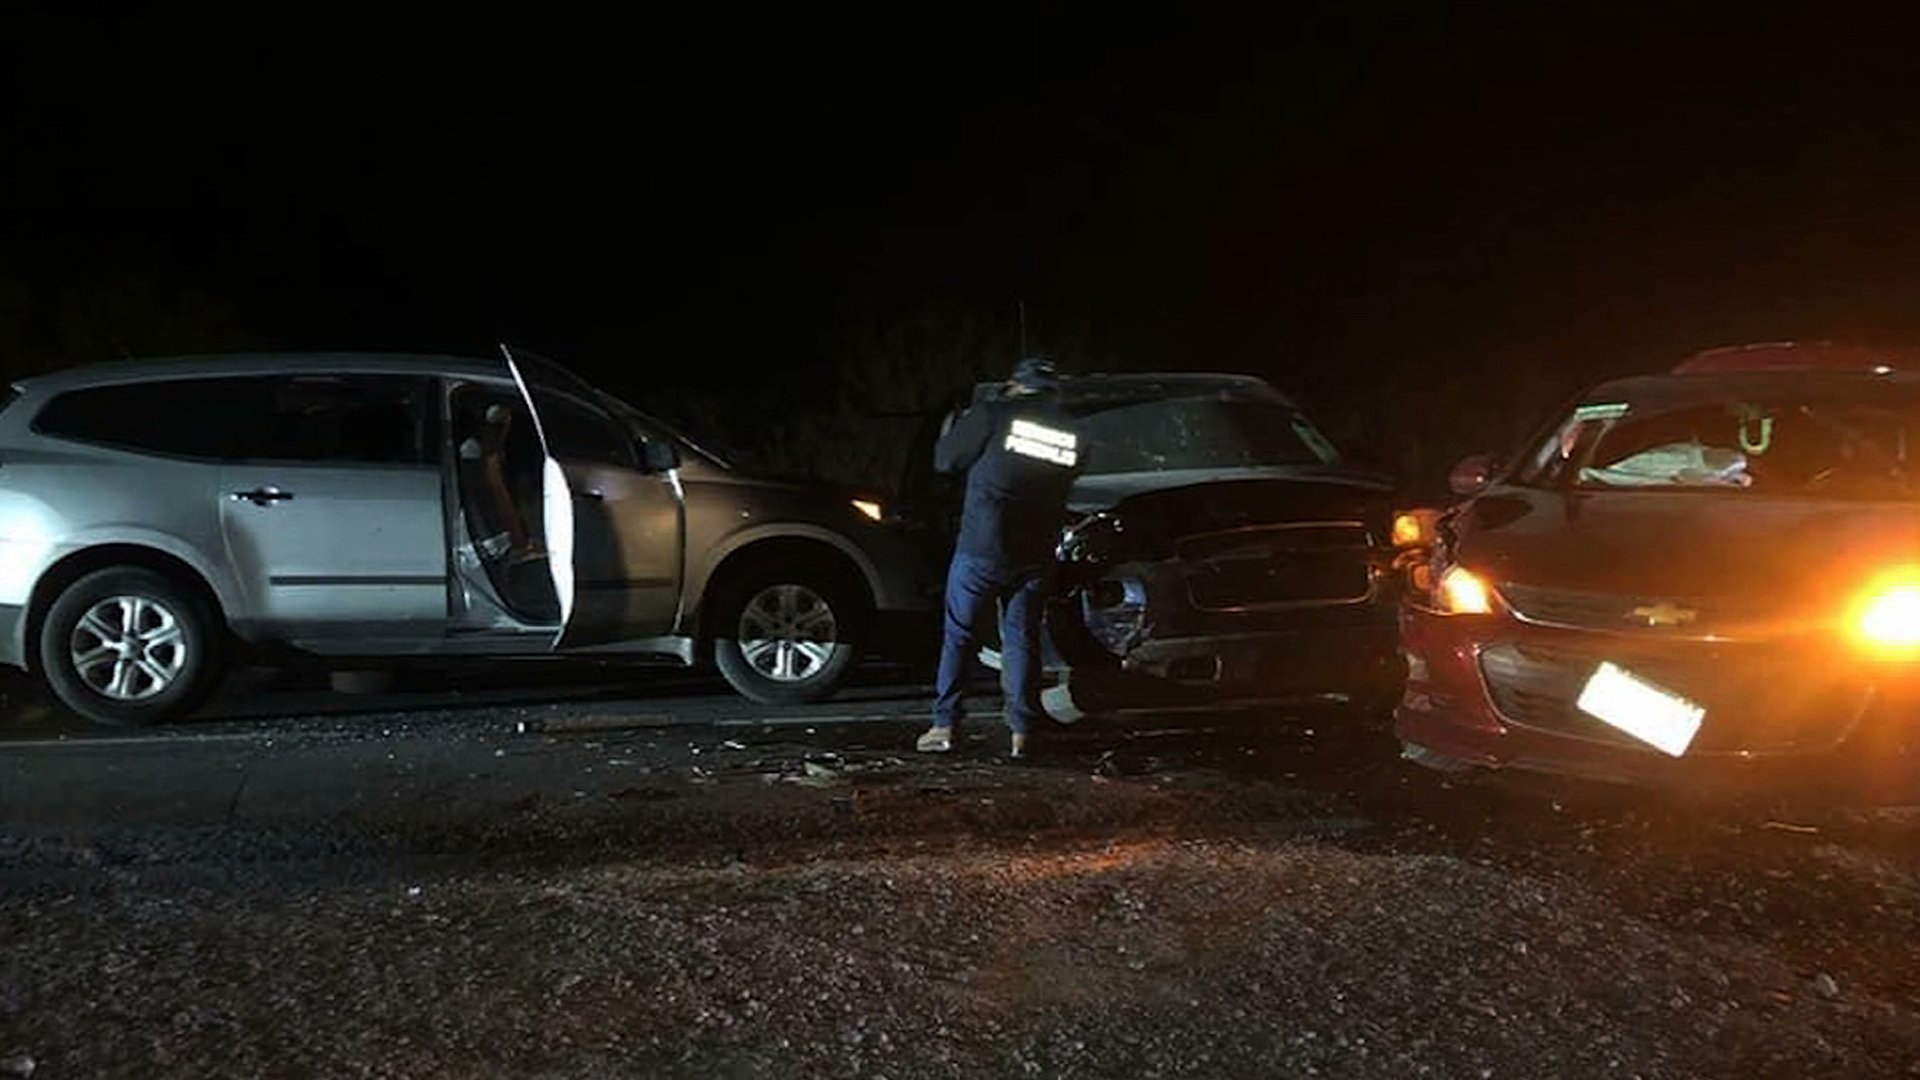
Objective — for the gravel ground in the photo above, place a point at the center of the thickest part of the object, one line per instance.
(1211, 902)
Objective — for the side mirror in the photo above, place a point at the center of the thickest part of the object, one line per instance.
(659, 455)
(1472, 475)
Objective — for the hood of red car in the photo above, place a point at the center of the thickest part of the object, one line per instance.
(1673, 544)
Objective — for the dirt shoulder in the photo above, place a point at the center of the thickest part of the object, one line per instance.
(1168, 903)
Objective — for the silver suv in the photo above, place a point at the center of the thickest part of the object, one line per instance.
(159, 518)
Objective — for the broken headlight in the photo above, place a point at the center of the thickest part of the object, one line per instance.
(1093, 538)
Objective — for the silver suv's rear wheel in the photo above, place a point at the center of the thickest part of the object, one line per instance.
(127, 645)
(787, 633)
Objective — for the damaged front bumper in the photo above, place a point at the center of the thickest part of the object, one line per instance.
(1358, 662)
(1143, 638)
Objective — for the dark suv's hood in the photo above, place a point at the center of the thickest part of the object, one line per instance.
(1671, 544)
(1154, 518)
(1289, 484)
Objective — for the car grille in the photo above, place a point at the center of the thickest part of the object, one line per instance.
(1310, 563)
(1749, 704)
(1627, 612)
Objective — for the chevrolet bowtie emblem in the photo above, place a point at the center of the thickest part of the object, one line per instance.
(1663, 614)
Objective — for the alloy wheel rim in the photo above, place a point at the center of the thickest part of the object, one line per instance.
(787, 633)
(128, 648)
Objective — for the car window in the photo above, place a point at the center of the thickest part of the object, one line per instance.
(579, 432)
(358, 419)
(183, 417)
(652, 427)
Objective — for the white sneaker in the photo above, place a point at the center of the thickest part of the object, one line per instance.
(936, 740)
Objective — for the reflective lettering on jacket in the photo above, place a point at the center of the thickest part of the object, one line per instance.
(1043, 443)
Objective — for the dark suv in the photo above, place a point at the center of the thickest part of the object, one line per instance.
(1218, 551)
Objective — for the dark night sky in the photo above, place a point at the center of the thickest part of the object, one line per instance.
(1330, 199)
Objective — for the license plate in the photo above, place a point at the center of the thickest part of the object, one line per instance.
(1664, 720)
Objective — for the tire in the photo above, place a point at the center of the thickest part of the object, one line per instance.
(787, 631)
(178, 652)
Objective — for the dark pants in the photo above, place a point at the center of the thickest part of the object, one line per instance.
(974, 588)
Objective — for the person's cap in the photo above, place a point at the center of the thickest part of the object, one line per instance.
(1038, 372)
(498, 414)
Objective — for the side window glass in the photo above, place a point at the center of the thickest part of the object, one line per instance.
(358, 419)
(576, 432)
(1552, 463)
(196, 418)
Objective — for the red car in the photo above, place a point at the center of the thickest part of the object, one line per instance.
(1682, 575)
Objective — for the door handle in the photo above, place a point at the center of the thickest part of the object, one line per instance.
(265, 496)
(592, 494)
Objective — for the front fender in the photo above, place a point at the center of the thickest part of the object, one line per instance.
(701, 577)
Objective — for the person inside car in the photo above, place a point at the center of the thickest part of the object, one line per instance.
(485, 450)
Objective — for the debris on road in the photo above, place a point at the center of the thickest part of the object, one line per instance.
(21, 1065)
(1787, 826)
(568, 723)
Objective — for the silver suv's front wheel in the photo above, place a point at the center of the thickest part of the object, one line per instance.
(127, 645)
(786, 633)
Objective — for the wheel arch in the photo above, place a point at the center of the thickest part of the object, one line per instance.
(75, 565)
(750, 553)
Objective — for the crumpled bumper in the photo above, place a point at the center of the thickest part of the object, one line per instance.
(1143, 637)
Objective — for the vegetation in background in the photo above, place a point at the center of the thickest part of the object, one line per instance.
(860, 413)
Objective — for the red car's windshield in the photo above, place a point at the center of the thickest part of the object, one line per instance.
(1777, 435)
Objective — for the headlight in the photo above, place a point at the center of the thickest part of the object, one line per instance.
(869, 509)
(1412, 528)
(1462, 592)
(1887, 618)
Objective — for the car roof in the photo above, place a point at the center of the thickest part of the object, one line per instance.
(1138, 385)
(1804, 356)
(1661, 389)
(258, 363)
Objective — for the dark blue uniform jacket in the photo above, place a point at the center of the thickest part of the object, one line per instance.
(1021, 456)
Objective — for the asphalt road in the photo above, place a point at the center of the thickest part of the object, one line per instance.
(354, 865)
(437, 743)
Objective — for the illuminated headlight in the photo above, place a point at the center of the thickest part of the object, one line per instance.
(1887, 618)
(1413, 528)
(1462, 592)
(869, 509)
